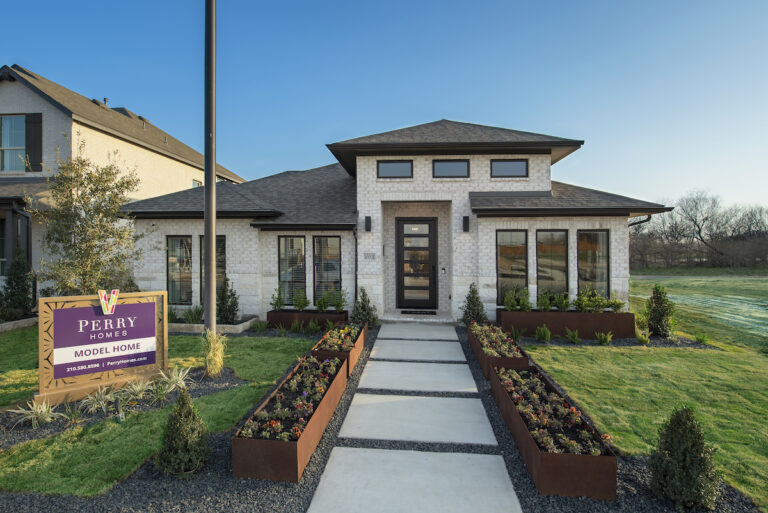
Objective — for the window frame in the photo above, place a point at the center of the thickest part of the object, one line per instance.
(168, 271)
(500, 300)
(314, 274)
(196, 183)
(201, 242)
(435, 161)
(567, 266)
(304, 238)
(13, 148)
(527, 167)
(607, 262)
(378, 169)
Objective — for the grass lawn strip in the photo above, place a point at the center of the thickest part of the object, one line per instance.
(18, 365)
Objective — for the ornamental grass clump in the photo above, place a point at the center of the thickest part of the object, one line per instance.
(555, 425)
(572, 336)
(682, 469)
(214, 345)
(494, 341)
(473, 310)
(543, 334)
(287, 413)
(185, 440)
(603, 338)
(36, 414)
(341, 338)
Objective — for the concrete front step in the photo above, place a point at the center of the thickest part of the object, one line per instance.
(418, 350)
(418, 331)
(418, 377)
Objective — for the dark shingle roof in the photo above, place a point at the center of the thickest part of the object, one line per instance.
(565, 199)
(19, 188)
(453, 137)
(119, 120)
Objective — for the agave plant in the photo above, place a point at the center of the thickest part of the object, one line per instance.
(136, 390)
(36, 414)
(176, 378)
(99, 400)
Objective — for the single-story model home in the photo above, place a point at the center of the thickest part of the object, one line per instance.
(413, 215)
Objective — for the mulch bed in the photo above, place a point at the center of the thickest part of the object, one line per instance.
(677, 342)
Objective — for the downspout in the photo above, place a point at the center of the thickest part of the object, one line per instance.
(642, 221)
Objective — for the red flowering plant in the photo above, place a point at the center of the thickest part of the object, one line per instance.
(341, 338)
(494, 341)
(555, 425)
(286, 414)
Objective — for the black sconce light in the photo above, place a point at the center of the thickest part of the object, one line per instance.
(367, 223)
(466, 223)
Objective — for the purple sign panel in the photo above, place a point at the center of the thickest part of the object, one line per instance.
(85, 340)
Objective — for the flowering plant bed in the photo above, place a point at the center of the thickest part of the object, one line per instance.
(563, 454)
(344, 343)
(621, 324)
(494, 348)
(278, 440)
(286, 318)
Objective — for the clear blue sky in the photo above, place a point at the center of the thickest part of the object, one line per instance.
(668, 95)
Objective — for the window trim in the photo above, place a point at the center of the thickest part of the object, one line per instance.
(201, 242)
(168, 272)
(378, 170)
(500, 300)
(608, 259)
(22, 148)
(527, 166)
(567, 262)
(304, 238)
(314, 275)
(434, 161)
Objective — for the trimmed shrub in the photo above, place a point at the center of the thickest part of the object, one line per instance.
(572, 336)
(227, 303)
(543, 334)
(682, 469)
(544, 302)
(561, 302)
(473, 309)
(277, 302)
(214, 346)
(516, 334)
(300, 301)
(323, 301)
(185, 440)
(659, 311)
(364, 311)
(18, 287)
(604, 338)
(340, 300)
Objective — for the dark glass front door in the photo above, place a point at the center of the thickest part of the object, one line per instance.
(416, 260)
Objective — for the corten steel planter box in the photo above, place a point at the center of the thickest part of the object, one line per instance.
(276, 460)
(487, 363)
(569, 475)
(288, 317)
(351, 356)
(621, 324)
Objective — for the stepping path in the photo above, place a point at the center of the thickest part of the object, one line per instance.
(417, 392)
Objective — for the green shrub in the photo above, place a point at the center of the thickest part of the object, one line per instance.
(300, 301)
(173, 316)
(194, 315)
(185, 440)
(329, 325)
(543, 334)
(260, 327)
(561, 302)
(702, 338)
(473, 309)
(364, 311)
(544, 302)
(297, 327)
(641, 321)
(659, 311)
(590, 300)
(682, 469)
(17, 290)
(510, 300)
(214, 346)
(277, 302)
(642, 336)
(281, 329)
(313, 326)
(516, 334)
(616, 305)
(604, 338)
(517, 298)
(572, 336)
(323, 301)
(227, 303)
(340, 300)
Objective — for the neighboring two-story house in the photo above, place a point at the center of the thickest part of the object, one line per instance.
(42, 122)
(413, 215)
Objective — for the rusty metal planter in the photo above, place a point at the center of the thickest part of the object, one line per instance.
(276, 460)
(569, 475)
(286, 318)
(621, 324)
(351, 356)
(487, 363)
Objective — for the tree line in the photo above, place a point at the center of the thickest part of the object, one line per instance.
(700, 231)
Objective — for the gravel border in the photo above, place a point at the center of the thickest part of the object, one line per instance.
(677, 342)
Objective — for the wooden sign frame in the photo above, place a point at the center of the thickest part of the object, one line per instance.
(55, 391)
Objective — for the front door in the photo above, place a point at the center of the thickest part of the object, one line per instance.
(416, 243)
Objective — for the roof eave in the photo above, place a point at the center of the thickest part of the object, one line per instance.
(198, 214)
(568, 211)
(304, 226)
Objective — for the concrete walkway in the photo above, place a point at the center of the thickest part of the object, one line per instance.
(416, 391)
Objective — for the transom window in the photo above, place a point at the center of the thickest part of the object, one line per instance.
(179, 269)
(12, 141)
(221, 263)
(291, 267)
(450, 168)
(509, 168)
(593, 260)
(511, 262)
(326, 265)
(552, 261)
(394, 168)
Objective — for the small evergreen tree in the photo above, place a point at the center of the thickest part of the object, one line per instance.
(17, 291)
(364, 311)
(473, 309)
(681, 467)
(658, 312)
(277, 302)
(185, 441)
(227, 303)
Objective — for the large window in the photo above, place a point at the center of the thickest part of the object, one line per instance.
(552, 261)
(221, 263)
(291, 267)
(327, 265)
(450, 168)
(179, 269)
(12, 140)
(394, 168)
(593, 260)
(511, 262)
(509, 168)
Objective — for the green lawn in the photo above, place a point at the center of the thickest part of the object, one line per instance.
(89, 461)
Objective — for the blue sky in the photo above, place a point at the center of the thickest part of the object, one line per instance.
(668, 96)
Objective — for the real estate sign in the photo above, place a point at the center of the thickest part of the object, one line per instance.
(90, 341)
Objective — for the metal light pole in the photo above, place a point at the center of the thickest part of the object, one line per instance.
(210, 165)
